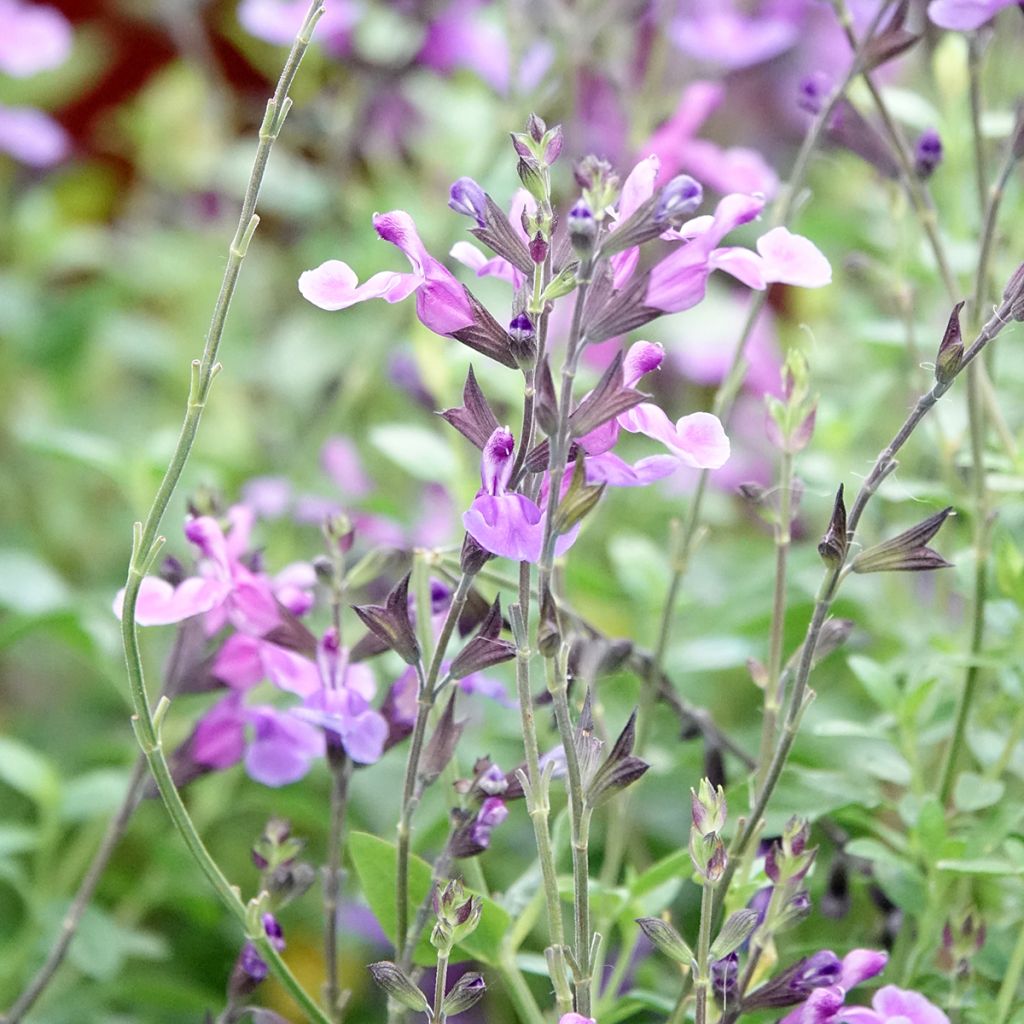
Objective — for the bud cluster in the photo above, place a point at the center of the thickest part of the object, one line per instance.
(458, 914)
(707, 850)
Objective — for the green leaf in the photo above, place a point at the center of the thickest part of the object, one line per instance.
(877, 681)
(94, 794)
(421, 453)
(29, 585)
(876, 852)
(675, 865)
(375, 862)
(24, 770)
(974, 792)
(102, 945)
(15, 839)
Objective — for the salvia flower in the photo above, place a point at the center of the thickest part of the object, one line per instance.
(442, 303)
(825, 1002)
(797, 982)
(813, 91)
(503, 522)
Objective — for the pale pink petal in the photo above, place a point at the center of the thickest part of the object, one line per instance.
(698, 440)
(238, 662)
(32, 137)
(219, 737)
(509, 525)
(642, 358)
(334, 285)
(793, 259)
(861, 964)
(289, 671)
(728, 170)
(610, 469)
(33, 38)
(744, 265)
(159, 603)
(891, 1001)
(965, 15)
(359, 679)
(251, 606)
(282, 749)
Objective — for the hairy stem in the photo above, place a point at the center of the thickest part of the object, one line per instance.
(341, 772)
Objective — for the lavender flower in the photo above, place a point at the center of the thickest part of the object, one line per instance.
(32, 137)
(35, 38)
(965, 15)
(824, 1003)
(278, 22)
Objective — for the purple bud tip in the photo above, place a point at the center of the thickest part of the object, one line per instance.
(467, 197)
(496, 463)
(812, 91)
(521, 327)
(252, 963)
(331, 644)
(580, 213)
(679, 198)
(817, 971)
(927, 153)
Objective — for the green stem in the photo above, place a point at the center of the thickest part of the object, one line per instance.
(1011, 982)
(411, 788)
(146, 542)
(518, 991)
(702, 981)
(440, 979)
(539, 809)
(775, 686)
(341, 771)
(580, 820)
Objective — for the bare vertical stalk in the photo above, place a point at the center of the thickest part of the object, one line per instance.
(146, 543)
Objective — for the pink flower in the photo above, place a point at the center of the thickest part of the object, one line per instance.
(698, 440)
(725, 170)
(719, 34)
(32, 137)
(679, 281)
(507, 524)
(575, 1018)
(965, 15)
(34, 38)
(279, 21)
(892, 1005)
(460, 37)
(225, 589)
(824, 1005)
(442, 304)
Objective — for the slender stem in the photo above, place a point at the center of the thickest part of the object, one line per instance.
(518, 990)
(341, 771)
(440, 980)
(678, 1014)
(974, 69)
(884, 464)
(411, 787)
(1011, 982)
(69, 926)
(580, 820)
(539, 809)
(775, 685)
(702, 981)
(146, 543)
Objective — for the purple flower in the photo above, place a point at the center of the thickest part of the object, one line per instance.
(460, 37)
(697, 440)
(965, 14)
(496, 266)
(278, 22)
(340, 460)
(34, 38)
(892, 1005)
(824, 1005)
(32, 137)
(812, 92)
(442, 304)
(225, 589)
(719, 34)
(679, 281)
(725, 170)
(510, 525)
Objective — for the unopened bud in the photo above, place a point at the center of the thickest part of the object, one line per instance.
(466, 992)
(951, 349)
(468, 198)
(927, 153)
(834, 544)
(524, 341)
(582, 228)
(678, 199)
(399, 986)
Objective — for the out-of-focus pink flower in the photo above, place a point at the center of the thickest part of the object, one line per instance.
(824, 1005)
(33, 38)
(725, 170)
(278, 22)
(32, 137)
(340, 460)
(965, 15)
(679, 281)
(720, 34)
(225, 589)
(892, 1005)
(442, 304)
(461, 37)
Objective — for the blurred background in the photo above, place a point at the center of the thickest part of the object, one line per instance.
(126, 134)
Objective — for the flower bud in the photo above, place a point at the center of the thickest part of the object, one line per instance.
(927, 153)
(725, 976)
(524, 341)
(399, 986)
(390, 622)
(678, 199)
(531, 174)
(813, 92)
(538, 248)
(666, 939)
(951, 349)
(582, 228)
(468, 198)
(834, 544)
(1013, 295)
(466, 992)
(708, 809)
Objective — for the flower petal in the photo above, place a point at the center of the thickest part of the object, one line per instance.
(793, 259)
(334, 285)
(509, 525)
